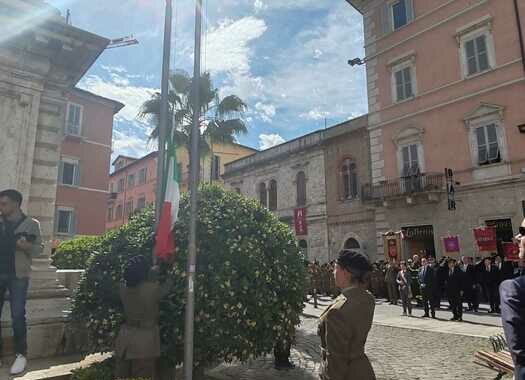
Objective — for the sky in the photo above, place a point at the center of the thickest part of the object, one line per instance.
(287, 59)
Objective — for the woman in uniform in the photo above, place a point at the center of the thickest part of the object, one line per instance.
(344, 325)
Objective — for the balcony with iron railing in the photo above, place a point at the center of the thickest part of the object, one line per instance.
(405, 187)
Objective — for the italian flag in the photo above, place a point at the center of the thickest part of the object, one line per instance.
(165, 239)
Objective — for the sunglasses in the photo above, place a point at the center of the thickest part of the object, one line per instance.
(521, 230)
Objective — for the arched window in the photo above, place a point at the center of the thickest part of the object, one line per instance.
(348, 173)
(263, 196)
(301, 189)
(303, 247)
(272, 195)
(352, 244)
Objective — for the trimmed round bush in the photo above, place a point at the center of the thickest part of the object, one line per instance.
(74, 254)
(250, 284)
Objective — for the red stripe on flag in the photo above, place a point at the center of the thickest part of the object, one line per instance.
(165, 240)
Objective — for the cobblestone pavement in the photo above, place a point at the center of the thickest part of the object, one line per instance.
(395, 353)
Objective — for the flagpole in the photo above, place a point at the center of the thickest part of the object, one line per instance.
(194, 183)
(164, 114)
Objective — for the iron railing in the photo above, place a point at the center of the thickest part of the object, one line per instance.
(423, 183)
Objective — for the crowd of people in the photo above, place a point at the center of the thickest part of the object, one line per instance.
(426, 281)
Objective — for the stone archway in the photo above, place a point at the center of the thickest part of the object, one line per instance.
(354, 242)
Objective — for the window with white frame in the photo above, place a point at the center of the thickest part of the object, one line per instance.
(401, 13)
(65, 221)
(69, 172)
(476, 48)
(403, 84)
(74, 119)
(410, 160)
(488, 146)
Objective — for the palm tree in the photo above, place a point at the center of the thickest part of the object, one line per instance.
(221, 119)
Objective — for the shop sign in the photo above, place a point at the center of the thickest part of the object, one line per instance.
(301, 227)
(486, 239)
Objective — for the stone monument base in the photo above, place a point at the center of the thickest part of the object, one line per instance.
(47, 313)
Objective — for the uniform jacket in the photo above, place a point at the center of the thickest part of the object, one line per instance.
(512, 294)
(24, 259)
(343, 328)
(139, 336)
(489, 278)
(469, 278)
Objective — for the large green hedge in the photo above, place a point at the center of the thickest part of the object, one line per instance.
(250, 284)
(75, 253)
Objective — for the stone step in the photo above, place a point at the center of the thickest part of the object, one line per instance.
(57, 368)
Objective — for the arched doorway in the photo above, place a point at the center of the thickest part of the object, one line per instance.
(303, 247)
(352, 244)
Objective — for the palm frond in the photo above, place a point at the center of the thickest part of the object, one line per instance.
(229, 105)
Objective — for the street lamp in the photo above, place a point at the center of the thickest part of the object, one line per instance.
(356, 62)
(521, 128)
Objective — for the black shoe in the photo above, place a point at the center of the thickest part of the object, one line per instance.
(425, 316)
(460, 319)
(453, 319)
(433, 316)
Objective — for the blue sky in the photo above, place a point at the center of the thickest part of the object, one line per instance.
(285, 58)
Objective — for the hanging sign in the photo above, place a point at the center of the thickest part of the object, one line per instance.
(486, 239)
(451, 244)
(301, 227)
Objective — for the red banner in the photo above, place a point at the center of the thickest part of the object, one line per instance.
(301, 227)
(511, 251)
(451, 244)
(486, 239)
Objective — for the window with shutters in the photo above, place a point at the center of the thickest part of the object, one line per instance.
(216, 168)
(110, 214)
(477, 52)
(65, 221)
(141, 202)
(301, 188)
(272, 195)
(74, 119)
(131, 181)
(120, 185)
(129, 208)
(396, 14)
(118, 212)
(69, 172)
(403, 79)
(410, 164)
(142, 176)
(488, 146)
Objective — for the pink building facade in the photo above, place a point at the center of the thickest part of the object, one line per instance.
(446, 89)
(85, 156)
(132, 187)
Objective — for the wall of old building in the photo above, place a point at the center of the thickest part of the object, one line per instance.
(349, 218)
(284, 169)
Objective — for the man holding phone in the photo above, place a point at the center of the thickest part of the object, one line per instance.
(20, 240)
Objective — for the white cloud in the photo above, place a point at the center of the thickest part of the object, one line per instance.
(131, 145)
(120, 89)
(259, 5)
(265, 111)
(268, 141)
(314, 114)
(227, 44)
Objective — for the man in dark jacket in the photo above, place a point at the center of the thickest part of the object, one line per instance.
(489, 282)
(426, 283)
(512, 294)
(454, 289)
(470, 291)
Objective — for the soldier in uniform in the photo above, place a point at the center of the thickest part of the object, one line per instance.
(138, 343)
(344, 325)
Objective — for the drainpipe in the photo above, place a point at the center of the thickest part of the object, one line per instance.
(520, 33)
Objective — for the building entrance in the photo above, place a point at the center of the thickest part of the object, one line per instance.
(418, 240)
(504, 232)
